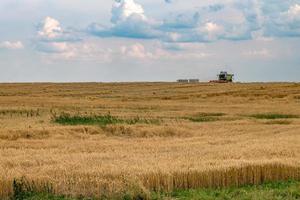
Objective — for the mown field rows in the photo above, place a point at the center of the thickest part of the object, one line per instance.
(104, 140)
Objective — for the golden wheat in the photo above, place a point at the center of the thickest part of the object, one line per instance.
(233, 149)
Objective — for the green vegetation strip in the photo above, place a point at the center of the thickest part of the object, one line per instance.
(289, 190)
(101, 120)
(269, 191)
(274, 116)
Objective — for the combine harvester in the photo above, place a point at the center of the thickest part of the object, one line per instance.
(223, 77)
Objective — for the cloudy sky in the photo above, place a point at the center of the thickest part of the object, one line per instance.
(149, 40)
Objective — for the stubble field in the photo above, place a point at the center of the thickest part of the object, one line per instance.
(105, 140)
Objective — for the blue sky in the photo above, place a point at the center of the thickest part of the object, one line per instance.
(149, 40)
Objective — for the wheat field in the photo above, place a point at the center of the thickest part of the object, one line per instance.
(167, 136)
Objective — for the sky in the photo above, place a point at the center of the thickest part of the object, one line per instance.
(149, 40)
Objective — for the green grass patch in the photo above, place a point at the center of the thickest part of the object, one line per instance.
(274, 116)
(42, 196)
(280, 191)
(101, 120)
(24, 189)
(289, 190)
(205, 117)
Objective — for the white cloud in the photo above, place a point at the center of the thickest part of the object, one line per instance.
(136, 51)
(12, 45)
(49, 37)
(50, 28)
(284, 23)
(55, 43)
(212, 27)
(291, 18)
(129, 21)
(212, 30)
(53, 39)
(123, 9)
(294, 12)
